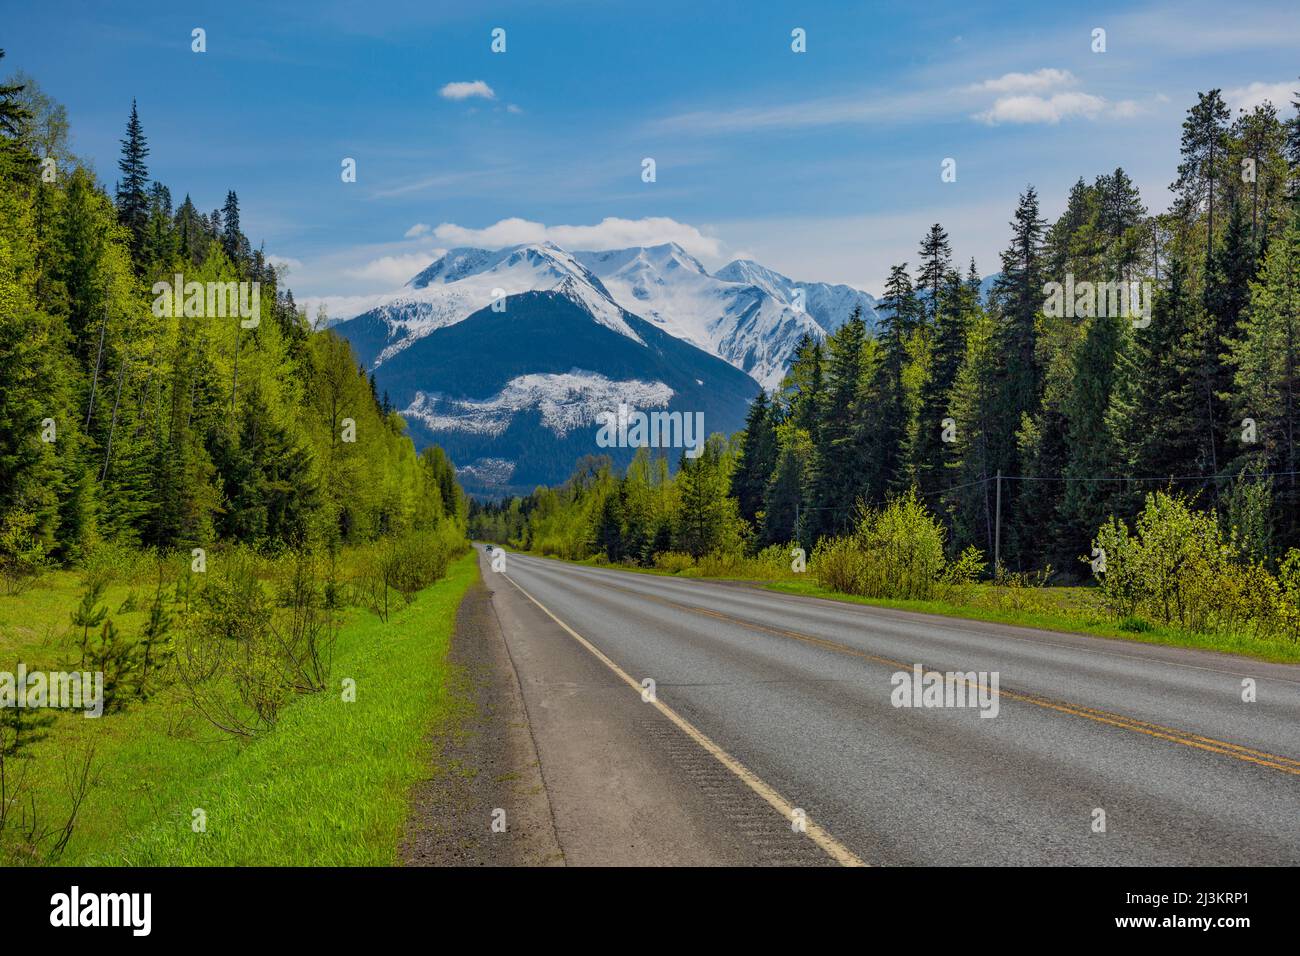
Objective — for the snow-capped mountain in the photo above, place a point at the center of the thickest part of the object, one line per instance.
(829, 305)
(465, 280)
(746, 314)
(505, 358)
(746, 324)
(513, 395)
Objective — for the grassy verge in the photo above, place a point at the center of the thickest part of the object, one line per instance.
(1069, 615)
(329, 786)
(1071, 610)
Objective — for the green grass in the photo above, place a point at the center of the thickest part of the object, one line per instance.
(1065, 609)
(328, 786)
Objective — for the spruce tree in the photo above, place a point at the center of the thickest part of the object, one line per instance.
(132, 188)
(929, 453)
(758, 453)
(886, 435)
(1018, 299)
(1155, 412)
(1266, 360)
(840, 465)
(231, 238)
(936, 260)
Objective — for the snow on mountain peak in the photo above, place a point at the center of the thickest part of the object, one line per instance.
(565, 402)
(746, 325)
(746, 314)
(465, 280)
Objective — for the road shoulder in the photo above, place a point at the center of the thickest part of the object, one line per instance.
(483, 761)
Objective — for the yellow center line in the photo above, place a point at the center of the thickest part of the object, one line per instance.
(1186, 738)
(832, 847)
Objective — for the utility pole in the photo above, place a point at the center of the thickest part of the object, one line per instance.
(997, 531)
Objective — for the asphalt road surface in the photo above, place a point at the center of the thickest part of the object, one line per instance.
(773, 736)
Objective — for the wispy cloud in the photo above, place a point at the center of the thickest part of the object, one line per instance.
(1038, 81)
(285, 263)
(419, 229)
(1042, 96)
(1256, 94)
(609, 233)
(467, 90)
(867, 107)
(1038, 97)
(434, 182)
(1199, 29)
(393, 270)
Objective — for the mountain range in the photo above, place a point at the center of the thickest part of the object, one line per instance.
(506, 357)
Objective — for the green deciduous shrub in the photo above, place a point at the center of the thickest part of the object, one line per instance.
(1179, 567)
(674, 562)
(401, 566)
(896, 552)
(23, 557)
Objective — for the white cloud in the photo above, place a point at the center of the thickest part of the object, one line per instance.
(1031, 108)
(1197, 29)
(609, 233)
(285, 262)
(1038, 97)
(337, 307)
(465, 91)
(1036, 82)
(396, 269)
(512, 108)
(868, 107)
(419, 229)
(1248, 97)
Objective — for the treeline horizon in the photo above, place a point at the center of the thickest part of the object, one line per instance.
(1083, 415)
(173, 431)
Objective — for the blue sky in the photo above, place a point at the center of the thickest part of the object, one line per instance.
(824, 165)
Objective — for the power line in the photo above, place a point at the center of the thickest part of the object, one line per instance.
(1130, 478)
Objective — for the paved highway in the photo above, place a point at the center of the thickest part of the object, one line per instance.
(774, 733)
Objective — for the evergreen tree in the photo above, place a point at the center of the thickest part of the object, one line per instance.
(1266, 359)
(887, 436)
(1018, 297)
(608, 536)
(803, 390)
(929, 453)
(840, 464)
(758, 453)
(1204, 147)
(1154, 413)
(785, 516)
(976, 432)
(1087, 502)
(132, 188)
(232, 239)
(702, 525)
(1119, 214)
(936, 261)
(13, 115)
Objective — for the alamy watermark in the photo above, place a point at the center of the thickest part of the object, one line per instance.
(633, 429)
(133, 911)
(211, 300)
(921, 688)
(63, 690)
(1087, 300)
